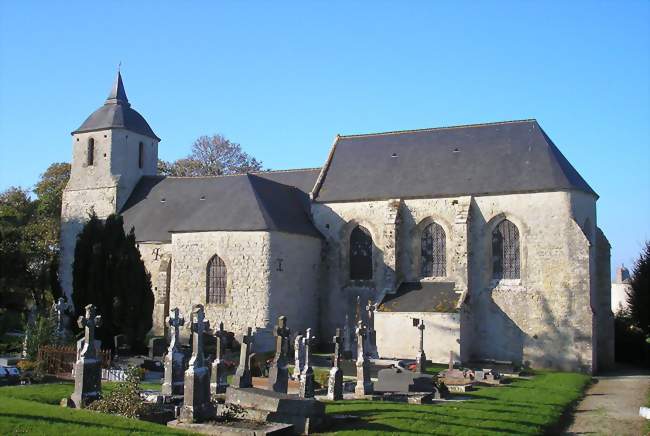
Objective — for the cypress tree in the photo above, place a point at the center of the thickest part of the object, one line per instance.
(638, 297)
(109, 273)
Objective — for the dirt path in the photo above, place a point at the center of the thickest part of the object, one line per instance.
(611, 406)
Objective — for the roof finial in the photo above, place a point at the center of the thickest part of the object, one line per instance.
(119, 67)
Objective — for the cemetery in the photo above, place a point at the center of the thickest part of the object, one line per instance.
(300, 390)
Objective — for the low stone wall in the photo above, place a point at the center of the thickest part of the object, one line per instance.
(397, 338)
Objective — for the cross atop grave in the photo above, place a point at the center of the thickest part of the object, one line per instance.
(242, 378)
(220, 334)
(421, 360)
(175, 321)
(59, 307)
(89, 323)
(370, 308)
(199, 325)
(338, 342)
(310, 341)
(281, 333)
(364, 385)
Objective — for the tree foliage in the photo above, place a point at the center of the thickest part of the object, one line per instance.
(109, 273)
(638, 297)
(211, 156)
(29, 238)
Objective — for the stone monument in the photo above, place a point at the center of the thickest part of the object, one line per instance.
(218, 380)
(59, 307)
(196, 394)
(335, 380)
(364, 385)
(299, 353)
(279, 372)
(307, 375)
(421, 360)
(242, 377)
(372, 333)
(87, 369)
(175, 359)
(347, 339)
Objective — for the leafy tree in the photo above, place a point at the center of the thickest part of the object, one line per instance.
(638, 297)
(109, 273)
(212, 156)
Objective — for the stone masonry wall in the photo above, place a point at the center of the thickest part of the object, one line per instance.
(544, 318)
(295, 272)
(247, 257)
(157, 260)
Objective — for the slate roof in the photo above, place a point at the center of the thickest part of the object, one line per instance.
(117, 113)
(422, 297)
(498, 158)
(260, 201)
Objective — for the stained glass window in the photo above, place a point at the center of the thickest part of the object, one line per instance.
(434, 259)
(360, 254)
(505, 251)
(216, 282)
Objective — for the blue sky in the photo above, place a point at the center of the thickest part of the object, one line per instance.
(282, 78)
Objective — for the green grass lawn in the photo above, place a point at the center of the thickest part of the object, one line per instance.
(35, 410)
(524, 407)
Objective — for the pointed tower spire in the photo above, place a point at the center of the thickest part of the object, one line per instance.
(118, 94)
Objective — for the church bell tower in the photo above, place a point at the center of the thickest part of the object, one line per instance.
(111, 151)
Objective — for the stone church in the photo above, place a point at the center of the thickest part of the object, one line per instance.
(486, 232)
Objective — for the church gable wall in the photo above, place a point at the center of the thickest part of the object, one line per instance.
(157, 260)
(295, 272)
(544, 317)
(246, 256)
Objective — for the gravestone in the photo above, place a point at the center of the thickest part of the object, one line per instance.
(196, 394)
(218, 380)
(121, 344)
(421, 360)
(279, 372)
(175, 359)
(335, 380)
(372, 333)
(157, 347)
(87, 369)
(299, 354)
(307, 375)
(242, 377)
(364, 385)
(59, 308)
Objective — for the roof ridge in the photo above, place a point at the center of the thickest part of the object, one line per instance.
(397, 132)
(255, 173)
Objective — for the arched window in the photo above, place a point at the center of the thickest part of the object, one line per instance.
(434, 258)
(216, 281)
(140, 155)
(505, 251)
(90, 153)
(360, 254)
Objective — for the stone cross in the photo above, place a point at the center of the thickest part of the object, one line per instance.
(173, 380)
(299, 354)
(372, 334)
(242, 377)
(364, 385)
(58, 307)
(279, 373)
(335, 379)
(421, 360)
(196, 392)
(199, 326)
(218, 380)
(307, 375)
(89, 323)
(87, 369)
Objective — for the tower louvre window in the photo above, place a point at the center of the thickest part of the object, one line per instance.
(90, 152)
(216, 281)
(506, 263)
(140, 155)
(360, 254)
(434, 256)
